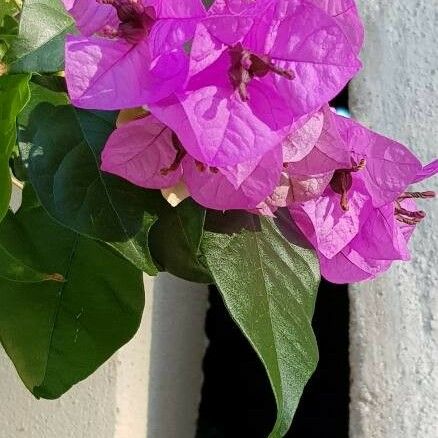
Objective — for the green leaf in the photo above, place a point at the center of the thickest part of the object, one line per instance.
(15, 260)
(39, 46)
(64, 168)
(8, 7)
(39, 94)
(269, 286)
(14, 95)
(175, 240)
(57, 334)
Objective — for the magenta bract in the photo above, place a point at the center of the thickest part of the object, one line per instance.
(131, 53)
(364, 219)
(148, 154)
(255, 69)
(238, 95)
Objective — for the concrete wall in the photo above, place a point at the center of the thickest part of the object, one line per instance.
(394, 327)
(149, 389)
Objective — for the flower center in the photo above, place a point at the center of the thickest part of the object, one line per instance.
(201, 167)
(342, 181)
(411, 217)
(136, 20)
(246, 65)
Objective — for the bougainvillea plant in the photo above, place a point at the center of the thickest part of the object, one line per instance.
(195, 138)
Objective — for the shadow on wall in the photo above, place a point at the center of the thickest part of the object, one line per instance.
(237, 401)
(177, 347)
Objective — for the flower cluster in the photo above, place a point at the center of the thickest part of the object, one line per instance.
(233, 108)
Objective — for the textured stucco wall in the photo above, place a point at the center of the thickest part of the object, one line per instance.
(149, 389)
(394, 327)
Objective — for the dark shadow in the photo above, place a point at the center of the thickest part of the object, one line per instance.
(237, 401)
(230, 222)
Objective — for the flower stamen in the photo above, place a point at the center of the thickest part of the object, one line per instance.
(246, 65)
(180, 154)
(417, 195)
(136, 20)
(411, 217)
(342, 181)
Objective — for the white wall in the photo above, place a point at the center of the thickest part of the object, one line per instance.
(394, 327)
(149, 389)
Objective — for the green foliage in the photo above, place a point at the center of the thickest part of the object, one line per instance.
(269, 286)
(40, 94)
(64, 168)
(176, 238)
(58, 333)
(39, 46)
(14, 95)
(8, 8)
(15, 256)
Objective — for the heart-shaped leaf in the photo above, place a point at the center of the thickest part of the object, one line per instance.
(269, 286)
(58, 333)
(64, 168)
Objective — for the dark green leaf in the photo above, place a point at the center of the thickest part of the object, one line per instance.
(59, 333)
(52, 82)
(64, 168)
(8, 32)
(16, 262)
(269, 286)
(175, 240)
(39, 46)
(14, 95)
(39, 94)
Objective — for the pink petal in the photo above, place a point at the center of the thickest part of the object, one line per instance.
(427, 172)
(264, 209)
(407, 229)
(212, 189)
(171, 34)
(298, 188)
(346, 15)
(228, 23)
(138, 151)
(298, 36)
(326, 225)
(166, 76)
(177, 8)
(330, 152)
(350, 267)
(106, 74)
(91, 16)
(302, 140)
(239, 7)
(214, 125)
(301, 37)
(390, 166)
(380, 236)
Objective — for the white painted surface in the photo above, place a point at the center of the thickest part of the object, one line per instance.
(149, 389)
(394, 327)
